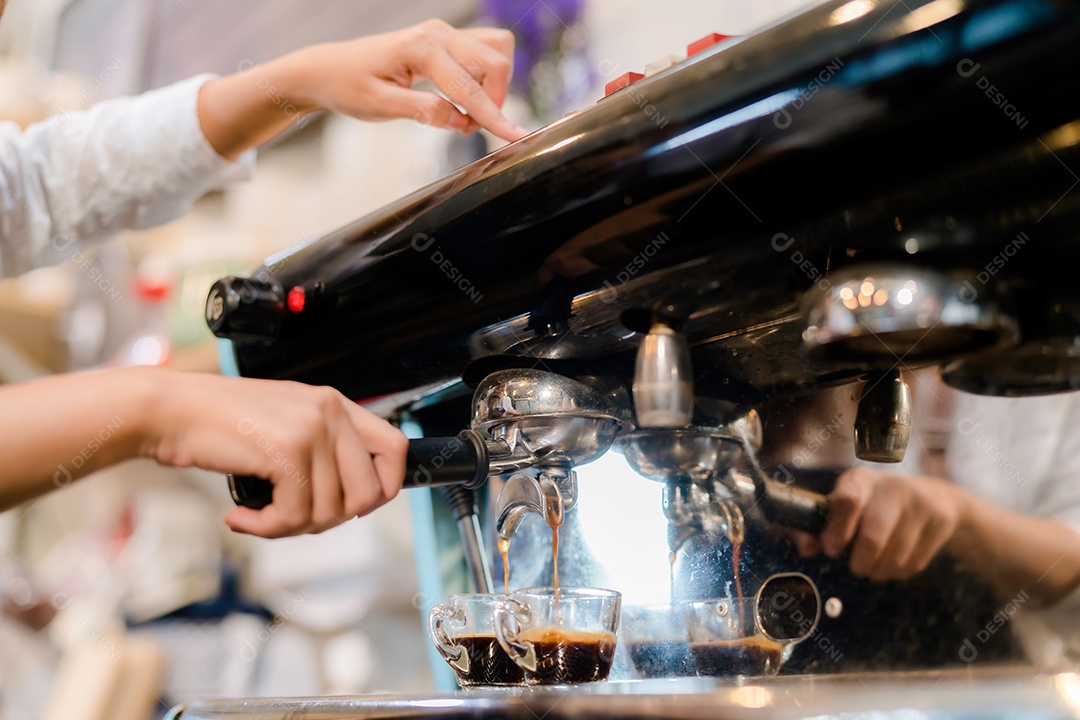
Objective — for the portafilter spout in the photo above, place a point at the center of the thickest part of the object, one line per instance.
(697, 463)
(550, 494)
(558, 422)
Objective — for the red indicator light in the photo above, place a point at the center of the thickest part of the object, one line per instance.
(295, 300)
(622, 81)
(704, 43)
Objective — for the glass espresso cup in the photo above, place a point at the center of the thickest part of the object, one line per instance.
(560, 637)
(725, 639)
(462, 631)
(655, 638)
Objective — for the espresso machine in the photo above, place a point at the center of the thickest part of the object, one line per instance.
(597, 329)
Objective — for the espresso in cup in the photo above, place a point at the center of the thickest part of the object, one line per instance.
(725, 639)
(560, 636)
(462, 631)
(657, 642)
(488, 664)
(569, 656)
(747, 656)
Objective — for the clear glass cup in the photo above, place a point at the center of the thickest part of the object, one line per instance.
(655, 639)
(726, 639)
(463, 632)
(560, 637)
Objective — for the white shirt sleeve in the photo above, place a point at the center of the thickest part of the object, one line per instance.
(123, 164)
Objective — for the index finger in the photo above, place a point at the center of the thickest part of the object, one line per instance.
(461, 88)
(846, 503)
(495, 38)
(387, 444)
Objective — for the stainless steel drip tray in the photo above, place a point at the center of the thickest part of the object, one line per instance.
(983, 694)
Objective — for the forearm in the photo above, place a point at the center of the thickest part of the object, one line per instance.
(248, 108)
(1017, 553)
(56, 430)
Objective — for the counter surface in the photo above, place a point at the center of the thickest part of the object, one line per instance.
(1008, 692)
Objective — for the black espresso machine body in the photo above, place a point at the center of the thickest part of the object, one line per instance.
(747, 174)
(861, 188)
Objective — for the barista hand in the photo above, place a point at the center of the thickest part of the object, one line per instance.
(329, 459)
(370, 78)
(895, 524)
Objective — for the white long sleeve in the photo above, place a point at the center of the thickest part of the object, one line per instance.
(81, 177)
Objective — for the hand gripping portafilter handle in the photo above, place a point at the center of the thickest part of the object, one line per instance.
(794, 507)
(430, 462)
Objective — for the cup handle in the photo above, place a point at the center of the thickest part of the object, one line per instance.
(509, 616)
(438, 618)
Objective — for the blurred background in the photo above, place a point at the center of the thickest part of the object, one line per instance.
(125, 595)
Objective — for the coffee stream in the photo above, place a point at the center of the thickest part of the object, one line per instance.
(504, 550)
(553, 515)
(562, 653)
(736, 535)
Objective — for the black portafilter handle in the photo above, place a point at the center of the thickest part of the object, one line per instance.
(796, 508)
(430, 462)
(797, 499)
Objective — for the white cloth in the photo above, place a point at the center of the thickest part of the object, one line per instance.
(123, 164)
(1024, 454)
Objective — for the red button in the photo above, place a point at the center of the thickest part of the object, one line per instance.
(295, 300)
(705, 43)
(622, 81)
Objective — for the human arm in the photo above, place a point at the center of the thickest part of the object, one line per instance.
(329, 459)
(135, 162)
(894, 524)
(370, 78)
(84, 176)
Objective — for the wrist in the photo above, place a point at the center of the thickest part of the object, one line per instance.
(291, 82)
(146, 404)
(967, 516)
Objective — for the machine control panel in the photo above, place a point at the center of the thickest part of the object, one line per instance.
(661, 64)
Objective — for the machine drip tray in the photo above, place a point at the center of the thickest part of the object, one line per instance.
(984, 693)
